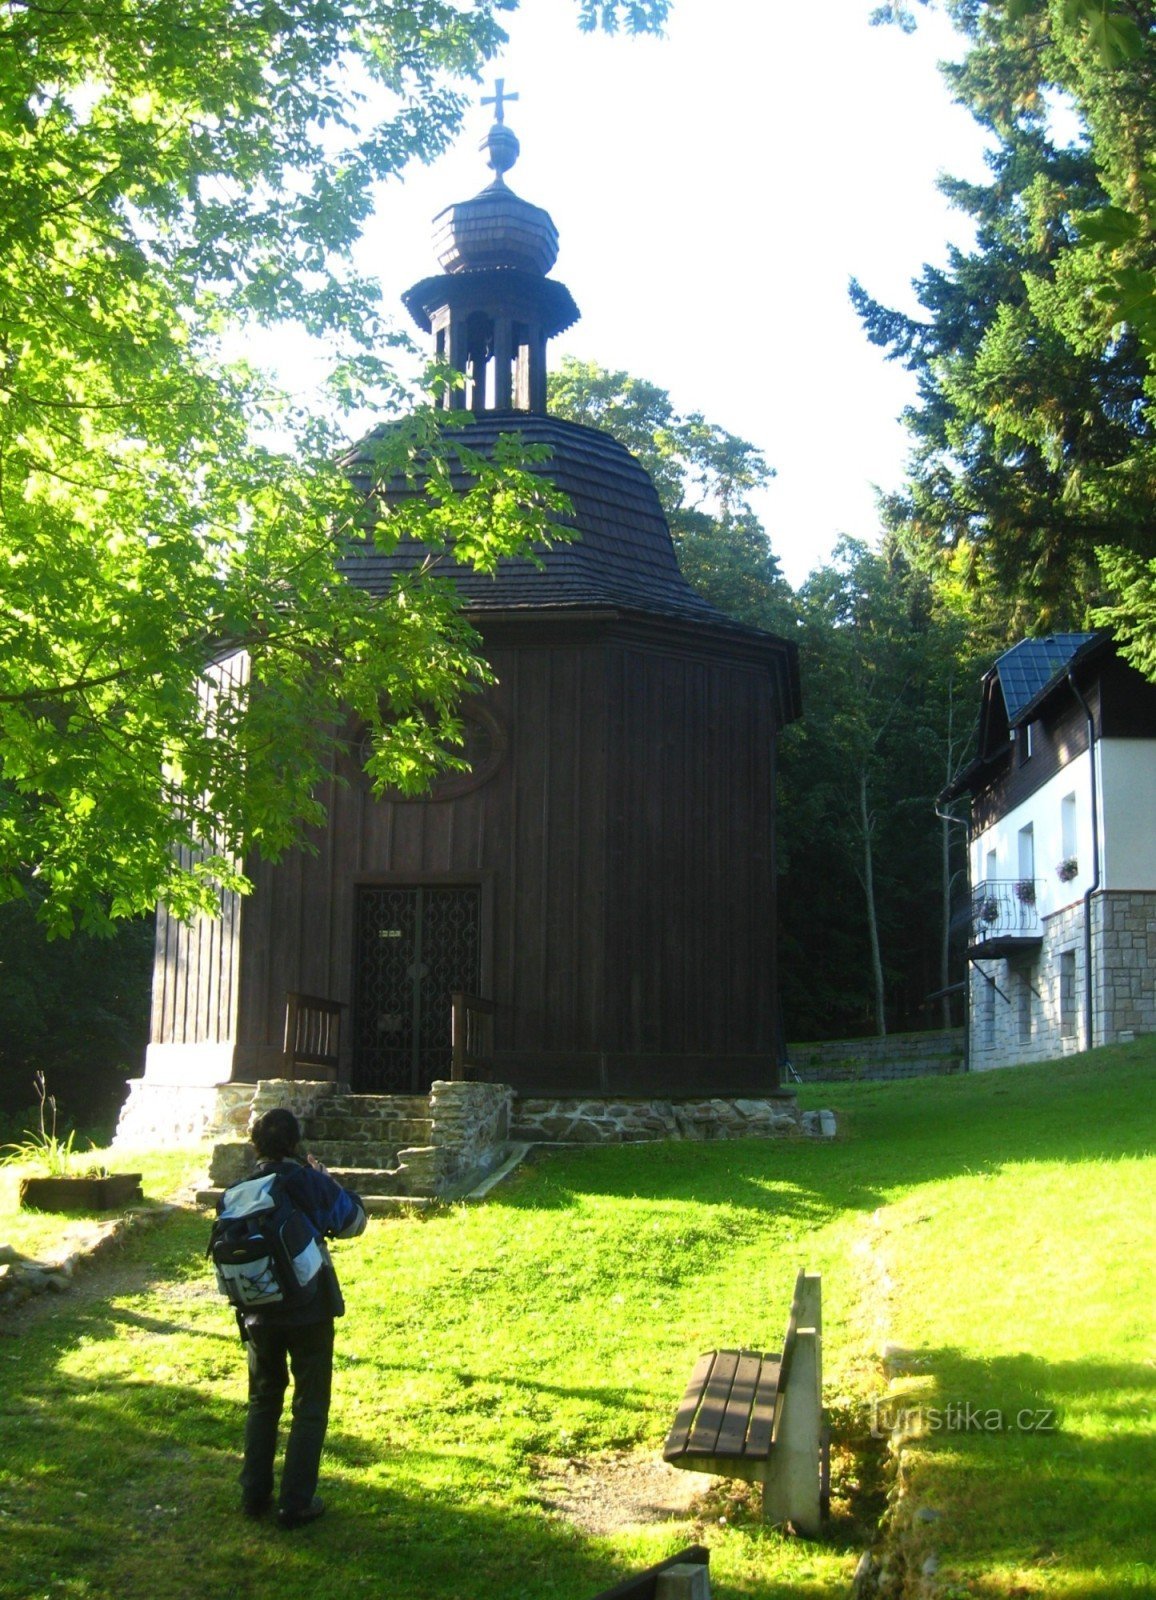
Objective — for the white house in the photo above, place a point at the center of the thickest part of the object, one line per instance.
(1062, 853)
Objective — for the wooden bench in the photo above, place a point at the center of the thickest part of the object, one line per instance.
(758, 1416)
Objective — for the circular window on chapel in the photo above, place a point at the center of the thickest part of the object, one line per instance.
(483, 747)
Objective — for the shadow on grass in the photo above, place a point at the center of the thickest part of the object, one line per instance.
(1093, 1107)
(126, 1487)
(129, 1489)
(758, 1175)
(143, 1261)
(1042, 1464)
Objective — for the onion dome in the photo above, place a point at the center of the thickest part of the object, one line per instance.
(497, 228)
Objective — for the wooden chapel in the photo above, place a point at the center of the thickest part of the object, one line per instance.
(605, 873)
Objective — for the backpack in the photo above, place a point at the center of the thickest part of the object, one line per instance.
(264, 1249)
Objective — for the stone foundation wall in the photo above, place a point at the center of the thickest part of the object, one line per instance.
(221, 1114)
(1124, 965)
(899, 1055)
(296, 1095)
(157, 1114)
(585, 1121)
(1020, 1011)
(472, 1124)
(163, 1114)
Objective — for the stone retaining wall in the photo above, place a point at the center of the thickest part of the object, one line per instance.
(899, 1055)
(22, 1277)
(586, 1121)
(471, 1126)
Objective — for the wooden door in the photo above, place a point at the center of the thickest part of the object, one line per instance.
(416, 944)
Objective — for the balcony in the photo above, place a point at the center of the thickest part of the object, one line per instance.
(1003, 919)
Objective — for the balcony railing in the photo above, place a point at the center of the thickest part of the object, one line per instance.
(1004, 915)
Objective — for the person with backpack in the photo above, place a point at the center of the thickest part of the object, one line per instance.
(268, 1247)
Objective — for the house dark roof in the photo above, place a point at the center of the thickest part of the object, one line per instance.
(1015, 690)
(623, 558)
(1029, 667)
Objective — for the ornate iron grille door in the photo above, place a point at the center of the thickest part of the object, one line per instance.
(415, 945)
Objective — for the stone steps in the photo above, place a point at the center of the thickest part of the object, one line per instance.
(367, 1181)
(360, 1137)
(395, 1150)
(366, 1130)
(376, 1105)
(353, 1153)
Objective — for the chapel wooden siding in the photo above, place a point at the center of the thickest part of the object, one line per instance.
(196, 964)
(625, 859)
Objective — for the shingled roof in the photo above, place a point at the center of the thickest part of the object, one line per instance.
(623, 558)
(1028, 668)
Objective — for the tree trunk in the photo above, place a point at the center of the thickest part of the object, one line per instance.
(869, 893)
(945, 931)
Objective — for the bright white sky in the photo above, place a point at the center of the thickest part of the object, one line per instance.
(714, 191)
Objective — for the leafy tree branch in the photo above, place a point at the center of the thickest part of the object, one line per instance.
(171, 172)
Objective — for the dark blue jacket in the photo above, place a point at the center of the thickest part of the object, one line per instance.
(336, 1213)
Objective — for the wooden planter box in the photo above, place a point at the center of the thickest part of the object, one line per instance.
(81, 1193)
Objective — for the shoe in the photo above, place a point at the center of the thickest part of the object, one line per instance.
(287, 1518)
(256, 1507)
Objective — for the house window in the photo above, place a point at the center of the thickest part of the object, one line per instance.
(1027, 743)
(986, 1010)
(1024, 1006)
(1068, 863)
(1067, 994)
(1026, 864)
(1068, 824)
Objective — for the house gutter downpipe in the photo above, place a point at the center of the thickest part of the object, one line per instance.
(1095, 883)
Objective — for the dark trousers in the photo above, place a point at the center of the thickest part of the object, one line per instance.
(272, 1351)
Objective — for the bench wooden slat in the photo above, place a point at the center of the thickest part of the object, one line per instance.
(728, 1410)
(732, 1436)
(684, 1417)
(704, 1434)
(762, 1427)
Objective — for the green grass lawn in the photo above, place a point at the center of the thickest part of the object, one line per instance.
(999, 1229)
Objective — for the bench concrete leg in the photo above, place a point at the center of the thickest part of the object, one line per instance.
(792, 1490)
(683, 1582)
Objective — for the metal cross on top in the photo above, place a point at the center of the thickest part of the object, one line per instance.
(498, 99)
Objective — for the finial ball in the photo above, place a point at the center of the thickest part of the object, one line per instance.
(503, 147)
